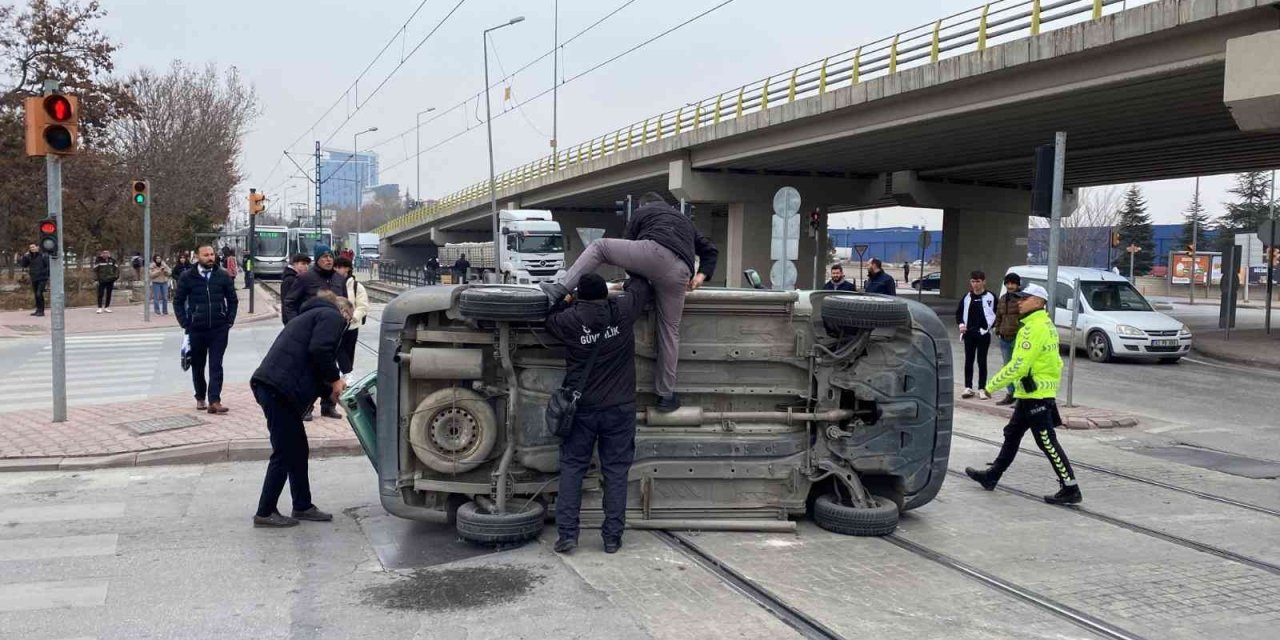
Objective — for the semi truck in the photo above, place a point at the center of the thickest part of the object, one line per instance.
(531, 250)
(365, 245)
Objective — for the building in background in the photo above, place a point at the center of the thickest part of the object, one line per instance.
(387, 192)
(345, 177)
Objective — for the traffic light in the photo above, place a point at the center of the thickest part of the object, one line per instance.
(49, 236)
(1191, 249)
(53, 122)
(256, 200)
(141, 192)
(815, 220)
(1115, 238)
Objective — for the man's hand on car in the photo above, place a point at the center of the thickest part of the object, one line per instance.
(337, 387)
(697, 281)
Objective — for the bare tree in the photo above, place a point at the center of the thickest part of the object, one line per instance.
(1086, 231)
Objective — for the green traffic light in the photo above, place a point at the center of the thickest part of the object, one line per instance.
(139, 198)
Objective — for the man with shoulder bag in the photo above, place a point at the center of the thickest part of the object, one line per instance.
(596, 406)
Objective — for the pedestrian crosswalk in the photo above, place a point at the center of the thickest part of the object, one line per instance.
(100, 368)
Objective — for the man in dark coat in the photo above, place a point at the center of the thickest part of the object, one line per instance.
(460, 268)
(36, 263)
(320, 277)
(837, 281)
(297, 266)
(301, 365)
(878, 281)
(205, 305)
(661, 245)
(433, 270)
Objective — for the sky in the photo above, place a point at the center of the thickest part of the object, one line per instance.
(303, 58)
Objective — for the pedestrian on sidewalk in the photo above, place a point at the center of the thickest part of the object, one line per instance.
(182, 266)
(206, 306)
(976, 316)
(433, 271)
(906, 272)
(601, 366)
(1036, 370)
(159, 286)
(661, 244)
(837, 281)
(137, 262)
(359, 298)
(1007, 316)
(248, 270)
(300, 366)
(319, 277)
(36, 262)
(106, 272)
(460, 268)
(298, 265)
(878, 281)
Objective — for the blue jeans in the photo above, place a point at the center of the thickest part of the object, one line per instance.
(1006, 350)
(160, 297)
(613, 431)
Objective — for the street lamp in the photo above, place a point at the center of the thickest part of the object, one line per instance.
(417, 133)
(355, 150)
(488, 125)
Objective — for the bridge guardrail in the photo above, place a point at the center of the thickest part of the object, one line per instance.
(972, 30)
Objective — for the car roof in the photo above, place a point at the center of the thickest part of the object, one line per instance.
(1066, 274)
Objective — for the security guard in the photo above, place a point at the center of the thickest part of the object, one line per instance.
(606, 416)
(1034, 370)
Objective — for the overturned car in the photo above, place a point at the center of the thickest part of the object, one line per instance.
(833, 404)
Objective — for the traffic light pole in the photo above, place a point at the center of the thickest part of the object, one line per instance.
(146, 259)
(57, 277)
(248, 272)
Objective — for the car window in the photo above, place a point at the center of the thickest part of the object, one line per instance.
(1113, 296)
(1062, 297)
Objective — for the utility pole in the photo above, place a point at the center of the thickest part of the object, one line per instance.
(1271, 248)
(488, 125)
(555, 84)
(417, 156)
(1055, 216)
(1195, 231)
(319, 182)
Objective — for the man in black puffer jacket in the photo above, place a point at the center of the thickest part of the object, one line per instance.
(297, 266)
(320, 277)
(660, 245)
(301, 365)
(205, 305)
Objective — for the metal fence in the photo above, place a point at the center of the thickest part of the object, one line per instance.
(397, 274)
(965, 32)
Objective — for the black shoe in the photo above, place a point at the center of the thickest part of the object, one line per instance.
(611, 545)
(307, 417)
(330, 412)
(313, 514)
(1065, 495)
(987, 478)
(276, 520)
(1008, 400)
(565, 545)
(667, 404)
(556, 293)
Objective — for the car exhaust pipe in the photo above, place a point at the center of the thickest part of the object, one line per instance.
(696, 416)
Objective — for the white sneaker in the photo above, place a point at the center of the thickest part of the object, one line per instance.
(108, 310)
(968, 393)
(983, 395)
(99, 309)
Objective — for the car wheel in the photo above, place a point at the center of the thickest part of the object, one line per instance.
(864, 312)
(514, 527)
(503, 303)
(1098, 347)
(453, 430)
(880, 520)
(1173, 360)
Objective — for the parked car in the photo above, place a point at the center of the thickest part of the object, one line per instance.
(930, 282)
(829, 403)
(1115, 320)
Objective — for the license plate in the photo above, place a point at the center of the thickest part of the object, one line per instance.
(1164, 343)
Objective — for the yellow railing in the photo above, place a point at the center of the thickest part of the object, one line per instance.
(964, 32)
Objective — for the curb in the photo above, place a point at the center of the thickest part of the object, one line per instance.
(202, 453)
(1233, 359)
(1076, 423)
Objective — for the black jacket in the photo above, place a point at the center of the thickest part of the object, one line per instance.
(845, 285)
(36, 264)
(302, 362)
(461, 265)
(882, 283)
(433, 264)
(178, 270)
(203, 303)
(675, 231)
(306, 286)
(579, 326)
(287, 278)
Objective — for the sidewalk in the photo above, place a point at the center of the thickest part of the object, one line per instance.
(101, 435)
(1251, 347)
(1072, 417)
(21, 324)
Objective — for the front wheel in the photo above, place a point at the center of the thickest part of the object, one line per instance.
(879, 520)
(1098, 347)
(476, 525)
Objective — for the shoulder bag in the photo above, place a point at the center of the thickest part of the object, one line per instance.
(562, 406)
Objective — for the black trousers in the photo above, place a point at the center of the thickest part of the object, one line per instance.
(104, 294)
(347, 351)
(208, 345)
(289, 452)
(1039, 417)
(975, 347)
(433, 276)
(613, 432)
(38, 288)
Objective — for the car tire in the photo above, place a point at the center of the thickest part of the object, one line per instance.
(476, 526)
(880, 520)
(453, 430)
(1098, 347)
(503, 303)
(864, 312)
(1173, 360)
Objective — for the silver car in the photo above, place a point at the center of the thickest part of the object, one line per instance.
(825, 403)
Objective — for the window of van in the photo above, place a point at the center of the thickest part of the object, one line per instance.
(1113, 296)
(1061, 296)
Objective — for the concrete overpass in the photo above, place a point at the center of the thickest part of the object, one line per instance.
(1167, 89)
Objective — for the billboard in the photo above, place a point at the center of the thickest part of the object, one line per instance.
(1206, 266)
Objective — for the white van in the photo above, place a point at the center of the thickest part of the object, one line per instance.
(1115, 320)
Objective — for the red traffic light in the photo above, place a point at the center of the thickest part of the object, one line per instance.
(48, 226)
(58, 107)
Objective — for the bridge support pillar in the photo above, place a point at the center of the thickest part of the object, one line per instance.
(1252, 87)
(980, 240)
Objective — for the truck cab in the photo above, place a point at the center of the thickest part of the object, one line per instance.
(532, 248)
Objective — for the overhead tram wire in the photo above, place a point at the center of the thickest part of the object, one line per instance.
(597, 67)
(505, 78)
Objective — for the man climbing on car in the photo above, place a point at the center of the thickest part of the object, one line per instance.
(660, 244)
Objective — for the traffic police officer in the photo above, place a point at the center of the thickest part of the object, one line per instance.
(606, 413)
(1035, 371)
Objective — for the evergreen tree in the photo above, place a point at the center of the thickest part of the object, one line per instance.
(1135, 228)
(1196, 216)
(1253, 190)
